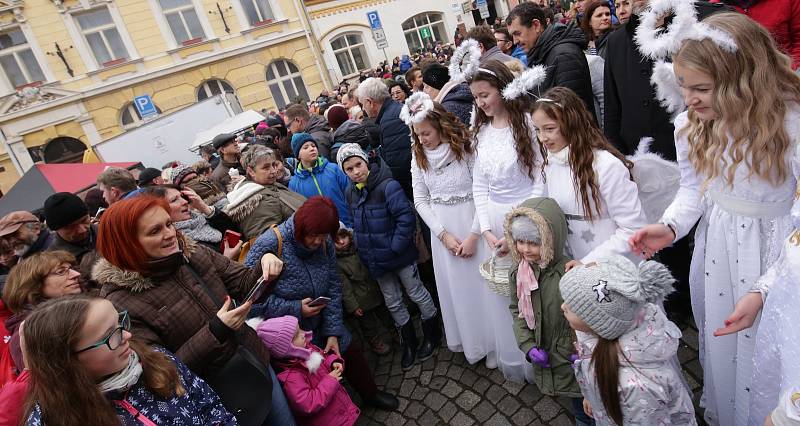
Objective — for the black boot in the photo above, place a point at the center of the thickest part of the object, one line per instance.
(432, 336)
(408, 342)
(383, 401)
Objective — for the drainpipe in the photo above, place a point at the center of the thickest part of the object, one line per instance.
(313, 42)
(11, 153)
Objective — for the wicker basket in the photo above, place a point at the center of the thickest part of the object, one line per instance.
(496, 274)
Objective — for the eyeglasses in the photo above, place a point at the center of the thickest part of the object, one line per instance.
(114, 339)
(61, 272)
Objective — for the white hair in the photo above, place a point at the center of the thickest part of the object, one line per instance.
(373, 88)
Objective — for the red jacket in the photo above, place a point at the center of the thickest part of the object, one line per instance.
(780, 17)
(12, 398)
(316, 399)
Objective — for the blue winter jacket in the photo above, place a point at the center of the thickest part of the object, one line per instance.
(305, 274)
(383, 222)
(459, 102)
(395, 143)
(405, 64)
(326, 179)
(520, 54)
(200, 405)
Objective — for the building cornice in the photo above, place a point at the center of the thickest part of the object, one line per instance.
(143, 77)
(344, 8)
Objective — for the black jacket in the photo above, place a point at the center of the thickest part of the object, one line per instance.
(395, 143)
(561, 48)
(459, 102)
(632, 111)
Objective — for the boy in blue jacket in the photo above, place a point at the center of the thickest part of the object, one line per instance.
(384, 226)
(315, 175)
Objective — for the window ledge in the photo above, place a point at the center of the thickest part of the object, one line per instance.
(114, 65)
(191, 45)
(264, 24)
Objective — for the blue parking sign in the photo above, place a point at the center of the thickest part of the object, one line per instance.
(374, 20)
(144, 104)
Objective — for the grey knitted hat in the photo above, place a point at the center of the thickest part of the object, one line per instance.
(523, 229)
(350, 150)
(607, 296)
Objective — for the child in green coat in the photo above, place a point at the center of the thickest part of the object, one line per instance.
(536, 232)
(361, 295)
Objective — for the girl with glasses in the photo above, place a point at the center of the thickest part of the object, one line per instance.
(105, 376)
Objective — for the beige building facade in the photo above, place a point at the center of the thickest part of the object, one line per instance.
(70, 69)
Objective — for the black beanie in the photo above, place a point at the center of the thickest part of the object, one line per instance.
(436, 76)
(63, 208)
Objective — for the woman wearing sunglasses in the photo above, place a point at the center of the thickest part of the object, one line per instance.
(43, 276)
(105, 376)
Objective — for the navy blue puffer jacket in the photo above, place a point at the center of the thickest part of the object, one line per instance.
(383, 221)
(305, 274)
(395, 143)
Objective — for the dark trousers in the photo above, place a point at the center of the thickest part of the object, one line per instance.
(357, 371)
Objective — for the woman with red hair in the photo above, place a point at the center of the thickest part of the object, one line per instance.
(181, 295)
(309, 288)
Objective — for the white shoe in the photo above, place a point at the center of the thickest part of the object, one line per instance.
(491, 360)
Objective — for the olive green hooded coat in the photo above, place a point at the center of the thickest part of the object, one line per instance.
(552, 332)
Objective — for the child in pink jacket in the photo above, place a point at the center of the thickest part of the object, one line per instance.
(309, 377)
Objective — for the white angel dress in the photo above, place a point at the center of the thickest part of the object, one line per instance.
(476, 321)
(776, 367)
(741, 230)
(500, 183)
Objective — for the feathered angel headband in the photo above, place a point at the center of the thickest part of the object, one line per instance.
(465, 60)
(530, 79)
(416, 108)
(658, 47)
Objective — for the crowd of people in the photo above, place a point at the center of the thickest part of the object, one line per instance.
(502, 198)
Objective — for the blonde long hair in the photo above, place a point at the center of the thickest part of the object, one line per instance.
(753, 88)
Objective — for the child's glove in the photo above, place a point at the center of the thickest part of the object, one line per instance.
(539, 357)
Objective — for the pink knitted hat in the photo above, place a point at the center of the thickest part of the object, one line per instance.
(277, 334)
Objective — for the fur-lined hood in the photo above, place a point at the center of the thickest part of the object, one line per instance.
(103, 272)
(552, 224)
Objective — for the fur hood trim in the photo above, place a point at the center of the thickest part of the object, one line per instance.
(103, 272)
(243, 209)
(241, 192)
(544, 231)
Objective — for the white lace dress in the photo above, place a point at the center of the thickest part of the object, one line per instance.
(500, 183)
(741, 230)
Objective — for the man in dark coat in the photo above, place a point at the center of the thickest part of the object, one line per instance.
(558, 47)
(395, 136)
(228, 149)
(454, 96)
(68, 217)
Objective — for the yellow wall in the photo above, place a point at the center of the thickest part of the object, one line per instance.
(246, 72)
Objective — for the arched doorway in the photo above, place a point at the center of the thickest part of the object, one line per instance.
(64, 149)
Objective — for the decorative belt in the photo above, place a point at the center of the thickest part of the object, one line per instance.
(751, 209)
(452, 200)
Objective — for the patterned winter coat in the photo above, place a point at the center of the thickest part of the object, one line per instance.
(651, 386)
(383, 221)
(305, 274)
(200, 405)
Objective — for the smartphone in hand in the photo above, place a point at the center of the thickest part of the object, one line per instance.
(232, 238)
(320, 301)
(257, 291)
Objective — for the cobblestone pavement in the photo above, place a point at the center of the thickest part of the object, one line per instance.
(447, 390)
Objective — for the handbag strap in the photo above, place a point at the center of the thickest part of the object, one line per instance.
(280, 240)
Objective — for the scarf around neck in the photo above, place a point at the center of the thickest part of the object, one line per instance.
(198, 229)
(125, 379)
(526, 283)
(440, 157)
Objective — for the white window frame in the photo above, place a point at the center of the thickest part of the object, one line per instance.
(82, 46)
(349, 50)
(166, 30)
(241, 15)
(281, 80)
(429, 25)
(204, 87)
(6, 86)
